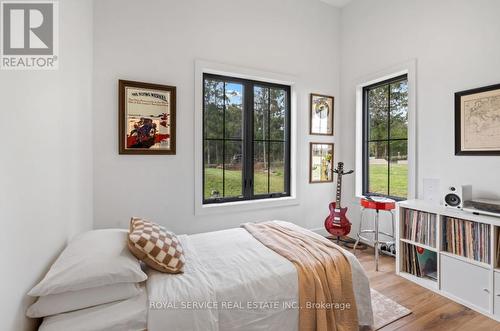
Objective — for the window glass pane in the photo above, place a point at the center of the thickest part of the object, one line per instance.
(233, 167)
(260, 168)
(277, 170)
(234, 110)
(225, 131)
(213, 169)
(399, 110)
(260, 115)
(377, 168)
(378, 111)
(277, 116)
(214, 109)
(399, 169)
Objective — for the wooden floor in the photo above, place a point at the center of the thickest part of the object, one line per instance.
(430, 311)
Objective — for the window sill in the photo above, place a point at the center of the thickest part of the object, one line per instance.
(248, 205)
(358, 197)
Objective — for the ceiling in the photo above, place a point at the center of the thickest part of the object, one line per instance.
(337, 3)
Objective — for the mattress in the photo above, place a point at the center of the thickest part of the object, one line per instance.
(233, 282)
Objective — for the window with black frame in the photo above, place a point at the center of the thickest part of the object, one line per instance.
(246, 139)
(385, 138)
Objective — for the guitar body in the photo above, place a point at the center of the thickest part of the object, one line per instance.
(337, 223)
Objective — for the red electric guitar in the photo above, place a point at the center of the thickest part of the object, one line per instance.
(337, 223)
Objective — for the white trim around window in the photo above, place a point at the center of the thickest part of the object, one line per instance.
(409, 69)
(202, 67)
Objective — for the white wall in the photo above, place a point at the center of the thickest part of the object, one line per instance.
(456, 46)
(159, 43)
(46, 162)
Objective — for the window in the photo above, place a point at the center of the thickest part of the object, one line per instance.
(246, 139)
(385, 138)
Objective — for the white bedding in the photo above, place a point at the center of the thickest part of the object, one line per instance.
(242, 284)
(125, 315)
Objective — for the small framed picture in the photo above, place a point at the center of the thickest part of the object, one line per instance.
(321, 163)
(321, 115)
(146, 118)
(477, 121)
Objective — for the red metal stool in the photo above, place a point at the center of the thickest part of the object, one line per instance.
(378, 204)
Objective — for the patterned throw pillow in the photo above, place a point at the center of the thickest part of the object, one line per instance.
(158, 248)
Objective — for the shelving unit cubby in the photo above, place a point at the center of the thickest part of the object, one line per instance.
(418, 243)
(462, 248)
(467, 239)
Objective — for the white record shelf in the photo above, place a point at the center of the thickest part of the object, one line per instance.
(468, 281)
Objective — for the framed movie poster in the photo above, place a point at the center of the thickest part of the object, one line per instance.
(321, 163)
(321, 115)
(477, 121)
(147, 118)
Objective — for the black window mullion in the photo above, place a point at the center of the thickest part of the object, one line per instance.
(287, 138)
(268, 144)
(224, 140)
(248, 113)
(366, 141)
(389, 139)
(204, 134)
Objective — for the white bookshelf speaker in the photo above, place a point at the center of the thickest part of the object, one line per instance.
(455, 196)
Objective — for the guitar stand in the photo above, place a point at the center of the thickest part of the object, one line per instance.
(347, 242)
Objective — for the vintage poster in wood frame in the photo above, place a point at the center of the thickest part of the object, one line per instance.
(321, 157)
(477, 121)
(321, 115)
(146, 118)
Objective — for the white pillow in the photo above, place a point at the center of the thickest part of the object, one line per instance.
(53, 304)
(127, 315)
(93, 259)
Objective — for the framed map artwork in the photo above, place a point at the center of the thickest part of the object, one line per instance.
(477, 121)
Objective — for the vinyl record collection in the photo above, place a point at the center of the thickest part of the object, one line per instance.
(467, 239)
(419, 227)
(418, 261)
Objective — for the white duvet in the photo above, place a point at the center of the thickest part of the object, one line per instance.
(233, 282)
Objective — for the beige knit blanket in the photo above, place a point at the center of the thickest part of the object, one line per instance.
(326, 295)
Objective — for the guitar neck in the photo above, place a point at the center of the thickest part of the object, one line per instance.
(339, 190)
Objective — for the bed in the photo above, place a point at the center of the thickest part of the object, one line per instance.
(250, 278)
(231, 281)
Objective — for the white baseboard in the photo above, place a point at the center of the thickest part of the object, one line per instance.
(323, 232)
(320, 231)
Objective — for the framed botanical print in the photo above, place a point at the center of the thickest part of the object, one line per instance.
(477, 121)
(146, 118)
(321, 115)
(321, 163)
